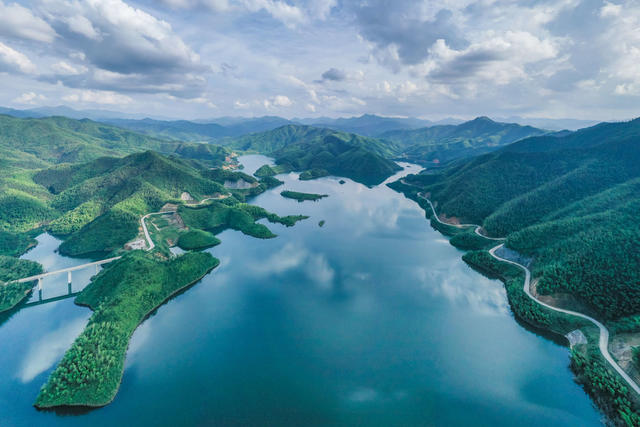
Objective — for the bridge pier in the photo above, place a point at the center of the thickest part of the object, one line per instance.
(68, 277)
(97, 268)
(40, 289)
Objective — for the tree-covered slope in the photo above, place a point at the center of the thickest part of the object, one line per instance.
(33, 143)
(303, 148)
(102, 201)
(447, 142)
(569, 202)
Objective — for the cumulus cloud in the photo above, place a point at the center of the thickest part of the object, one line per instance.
(126, 47)
(289, 13)
(500, 58)
(402, 31)
(278, 101)
(29, 98)
(97, 97)
(12, 60)
(18, 21)
(64, 68)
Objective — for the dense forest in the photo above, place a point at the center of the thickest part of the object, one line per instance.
(443, 143)
(318, 152)
(569, 202)
(229, 213)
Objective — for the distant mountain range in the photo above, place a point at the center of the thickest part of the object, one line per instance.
(221, 127)
(184, 130)
(372, 125)
(443, 143)
(70, 113)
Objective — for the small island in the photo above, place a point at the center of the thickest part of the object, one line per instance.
(313, 174)
(197, 239)
(301, 197)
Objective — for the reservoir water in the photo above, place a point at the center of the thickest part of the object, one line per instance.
(371, 319)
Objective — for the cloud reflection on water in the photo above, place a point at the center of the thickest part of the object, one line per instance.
(45, 352)
(481, 296)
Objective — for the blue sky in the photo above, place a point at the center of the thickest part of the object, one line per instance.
(295, 58)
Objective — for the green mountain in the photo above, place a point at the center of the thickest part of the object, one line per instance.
(32, 143)
(99, 203)
(325, 151)
(441, 144)
(29, 145)
(570, 203)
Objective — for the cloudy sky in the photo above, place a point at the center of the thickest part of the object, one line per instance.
(431, 59)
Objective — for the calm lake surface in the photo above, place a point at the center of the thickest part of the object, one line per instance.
(372, 319)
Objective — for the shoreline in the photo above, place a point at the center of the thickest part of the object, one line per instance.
(604, 332)
(585, 363)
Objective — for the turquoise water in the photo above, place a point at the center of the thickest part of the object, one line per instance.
(372, 319)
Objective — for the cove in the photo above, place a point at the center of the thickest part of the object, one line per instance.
(372, 319)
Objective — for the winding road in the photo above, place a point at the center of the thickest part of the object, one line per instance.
(603, 342)
(477, 229)
(147, 236)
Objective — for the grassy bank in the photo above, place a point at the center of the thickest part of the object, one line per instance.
(121, 296)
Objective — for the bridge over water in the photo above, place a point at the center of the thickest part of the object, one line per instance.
(69, 271)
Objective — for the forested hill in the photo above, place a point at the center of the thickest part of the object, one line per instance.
(570, 202)
(324, 151)
(443, 143)
(34, 143)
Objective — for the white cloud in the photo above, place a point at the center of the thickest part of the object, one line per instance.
(215, 5)
(18, 21)
(11, 59)
(67, 69)
(610, 9)
(498, 57)
(97, 97)
(282, 101)
(142, 52)
(81, 25)
(280, 10)
(278, 101)
(623, 39)
(29, 98)
(44, 353)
